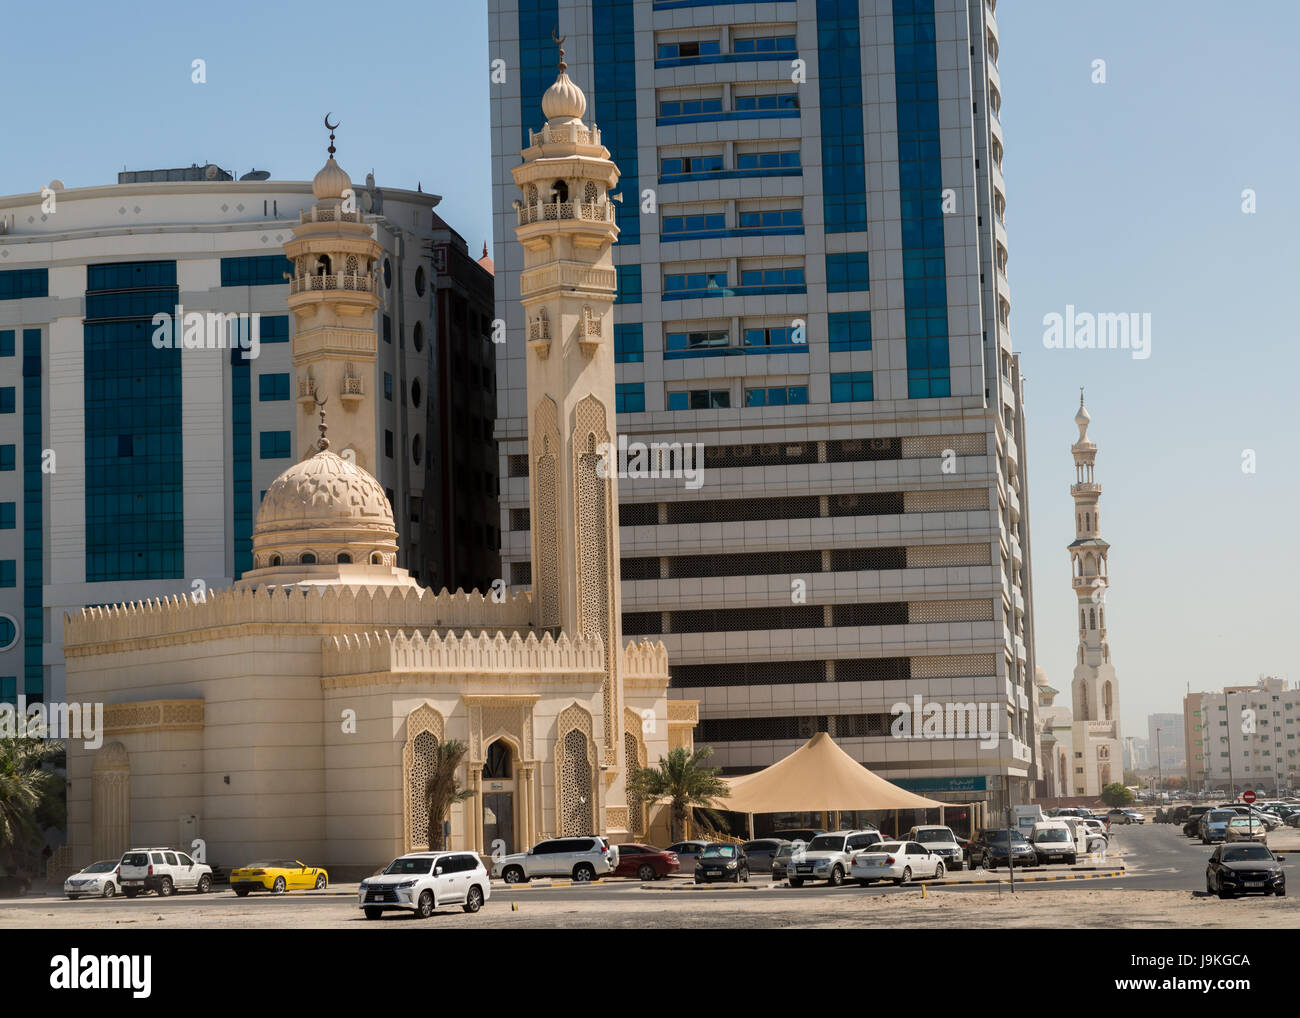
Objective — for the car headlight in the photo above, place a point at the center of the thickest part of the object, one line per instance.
(406, 883)
(732, 865)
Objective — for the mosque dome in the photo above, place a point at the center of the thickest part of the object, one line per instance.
(564, 100)
(331, 181)
(324, 510)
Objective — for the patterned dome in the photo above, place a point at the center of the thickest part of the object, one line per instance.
(325, 490)
(331, 181)
(564, 100)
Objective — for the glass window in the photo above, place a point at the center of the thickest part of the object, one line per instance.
(847, 272)
(629, 397)
(275, 445)
(851, 387)
(629, 344)
(7, 457)
(8, 515)
(6, 342)
(8, 572)
(849, 330)
(7, 399)
(263, 270)
(272, 388)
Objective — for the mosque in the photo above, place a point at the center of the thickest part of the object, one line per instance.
(298, 713)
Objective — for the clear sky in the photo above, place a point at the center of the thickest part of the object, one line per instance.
(1122, 197)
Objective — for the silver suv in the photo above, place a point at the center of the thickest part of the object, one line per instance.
(583, 859)
(827, 856)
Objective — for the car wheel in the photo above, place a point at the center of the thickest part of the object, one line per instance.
(424, 908)
(837, 876)
(131, 892)
(796, 881)
(321, 882)
(473, 900)
(583, 873)
(513, 875)
(1224, 893)
(278, 886)
(744, 875)
(646, 872)
(938, 871)
(1281, 892)
(373, 913)
(1209, 887)
(205, 884)
(165, 887)
(906, 877)
(1071, 860)
(987, 861)
(241, 892)
(110, 889)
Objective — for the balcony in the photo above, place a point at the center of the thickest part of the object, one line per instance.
(351, 391)
(315, 215)
(554, 211)
(1085, 488)
(322, 283)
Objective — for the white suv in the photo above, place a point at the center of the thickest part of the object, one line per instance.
(827, 856)
(424, 881)
(163, 870)
(583, 859)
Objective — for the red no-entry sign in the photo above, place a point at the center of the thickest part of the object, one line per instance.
(1248, 795)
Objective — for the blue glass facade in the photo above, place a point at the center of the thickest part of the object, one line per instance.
(17, 284)
(241, 459)
(259, 270)
(134, 424)
(844, 153)
(33, 519)
(537, 60)
(920, 183)
(614, 109)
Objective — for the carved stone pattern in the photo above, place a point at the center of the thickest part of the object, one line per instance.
(546, 532)
(158, 714)
(110, 802)
(501, 720)
(575, 773)
(591, 321)
(595, 539)
(616, 817)
(424, 731)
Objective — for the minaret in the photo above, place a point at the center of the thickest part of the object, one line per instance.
(567, 286)
(333, 297)
(1096, 690)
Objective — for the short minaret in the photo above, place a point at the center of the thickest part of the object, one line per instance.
(566, 228)
(334, 297)
(1095, 688)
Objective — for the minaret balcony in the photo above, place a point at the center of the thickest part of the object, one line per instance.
(572, 133)
(539, 337)
(554, 211)
(308, 284)
(307, 391)
(1085, 488)
(350, 390)
(318, 215)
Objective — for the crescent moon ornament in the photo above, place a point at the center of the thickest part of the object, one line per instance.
(328, 125)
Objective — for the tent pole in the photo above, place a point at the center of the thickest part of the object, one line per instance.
(751, 826)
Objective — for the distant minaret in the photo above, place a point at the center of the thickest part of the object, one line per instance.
(567, 286)
(1095, 688)
(334, 297)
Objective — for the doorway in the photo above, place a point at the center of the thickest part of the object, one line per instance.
(498, 821)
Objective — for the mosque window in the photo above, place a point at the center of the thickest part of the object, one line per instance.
(388, 274)
(308, 559)
(417, 393)
(274, 560)
(561, 191)
(417, 336)
(353, 266)
(344, 558)
(589, 192)
(416, 449)
(497, 766)
(419, 281)
(323, 265)
(376, 559)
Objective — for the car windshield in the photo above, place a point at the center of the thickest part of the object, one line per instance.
(1000, 837)
(886, 846)
(101, 867)
(1220, 816)
(1056, 834)
(719, 852)
(934, 834)
(402, 867)
(135, 859)
(785, 851)
(827, 843)
(259, 863)
(1248, 853)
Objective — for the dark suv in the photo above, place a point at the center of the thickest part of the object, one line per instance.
(992, 848)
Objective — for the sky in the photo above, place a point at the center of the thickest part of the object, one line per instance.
(1123, 196)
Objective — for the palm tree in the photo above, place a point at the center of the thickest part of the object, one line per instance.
(27, 791)
(682, 778)
(443, 789)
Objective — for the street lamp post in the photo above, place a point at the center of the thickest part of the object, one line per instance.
(1160, 780)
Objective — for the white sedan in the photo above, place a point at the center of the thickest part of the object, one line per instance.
(899, 861)
(98, 880)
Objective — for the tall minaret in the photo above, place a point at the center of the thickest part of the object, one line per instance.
(1095, 688)
(333, 297)
(566, 228)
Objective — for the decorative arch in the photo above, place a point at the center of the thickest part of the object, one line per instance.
(593, 497)
(590, 192)
(424, 733)
(576, 809)
(545, 513)
(635, 758)
(110, 801)
(1106, 701)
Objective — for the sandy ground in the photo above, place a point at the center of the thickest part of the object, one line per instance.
(990, 909)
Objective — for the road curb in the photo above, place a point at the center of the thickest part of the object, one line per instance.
(1030, 880)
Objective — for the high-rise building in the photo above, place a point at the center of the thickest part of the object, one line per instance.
(1244, 737)
(1096, 744)
(811, 283)
(1165, 736)
(133, 458)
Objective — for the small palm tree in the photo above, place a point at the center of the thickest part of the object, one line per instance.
(682, 778)
(27, 791)
(443, 790)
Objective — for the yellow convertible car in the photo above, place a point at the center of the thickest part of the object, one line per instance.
(277, 876)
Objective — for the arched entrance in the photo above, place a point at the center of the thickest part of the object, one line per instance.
(499, 798)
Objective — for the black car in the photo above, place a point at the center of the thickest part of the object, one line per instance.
(1192, 827)
(991, 849)
(722, 862)
(1244, 869)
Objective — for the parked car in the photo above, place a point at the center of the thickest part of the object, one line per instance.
(1095, 828)
(98, 880)
(162, 870)
(1245, 829)
(1192, 828)
(422, 882)
(1293, 820)
(722, 862)
(688, 852)
(277, 876)
(1053, 841)
(1125, 816)
(942, 842)
(1244, 869)
(804, 834)
(645, 862)
(1214, 825)
(899, 861)
(781, 861)
(761, 853)
(991, 848)
(827, 856)
(582, 859)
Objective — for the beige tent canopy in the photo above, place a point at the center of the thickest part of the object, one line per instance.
(818, 776)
